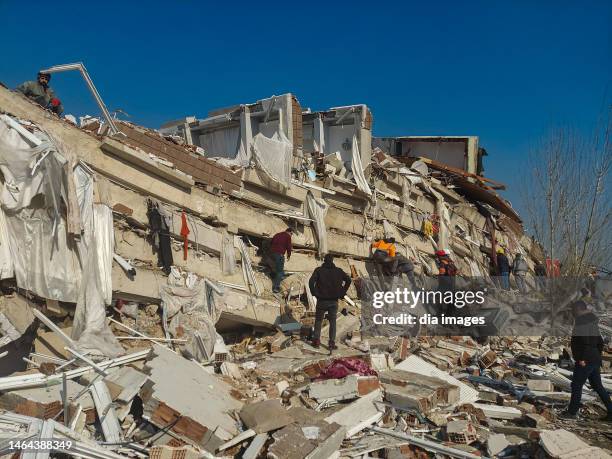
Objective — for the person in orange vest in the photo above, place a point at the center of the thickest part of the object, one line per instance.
(384, 253)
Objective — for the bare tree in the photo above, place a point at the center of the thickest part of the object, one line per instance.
(567, 195)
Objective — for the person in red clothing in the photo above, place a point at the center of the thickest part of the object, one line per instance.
(281, 244)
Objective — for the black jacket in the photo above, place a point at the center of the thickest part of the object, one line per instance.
(587, 343)
(328, 282)
(503, 265)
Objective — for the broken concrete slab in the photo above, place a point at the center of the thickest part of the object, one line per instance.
(265, 416)
(359, 414)
(316, 440)
(347, 388)
(561, 444)
(498, 412)
(200, 410)
(415, 364)
(254, 449)
(541, 385)
(496, 443)
(407, 390)
(43, 402)
(128, 380)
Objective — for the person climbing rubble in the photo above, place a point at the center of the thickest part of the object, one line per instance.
(587, 347)
(447, 270)
(384, 253)
(405, 266)
(40, 92)
(328, 284)
(503, 268)
(520, 270)
(281, 244)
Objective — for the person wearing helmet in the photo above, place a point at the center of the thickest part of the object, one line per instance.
(503, 268)
(40, 92)
(447, 270)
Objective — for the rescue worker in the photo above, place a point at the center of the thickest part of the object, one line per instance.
(281, 244)
(540, 275)
(520, 269)
(587, 346)
(40, 92)
(384, 253)
(446, 271)
(446, 278)
(503, 268)
(406, 266)
(328, 284)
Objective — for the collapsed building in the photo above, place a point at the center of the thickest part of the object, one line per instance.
(94, 223)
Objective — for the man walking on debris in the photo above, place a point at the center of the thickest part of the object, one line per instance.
(328, 284)
(587, 346)
(281, 244)
(40, 92)
(520, 269)
(503, 268)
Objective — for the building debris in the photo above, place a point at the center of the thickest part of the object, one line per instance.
(148, 325)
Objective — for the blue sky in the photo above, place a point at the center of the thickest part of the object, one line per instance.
(505, 71)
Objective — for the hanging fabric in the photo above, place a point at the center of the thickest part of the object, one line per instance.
(184, 234)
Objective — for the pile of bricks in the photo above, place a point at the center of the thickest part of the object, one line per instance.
(201, 169)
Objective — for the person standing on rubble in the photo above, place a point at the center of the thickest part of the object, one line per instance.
(540, 275)
(40, 92)
(587, 346)
(281, 244)
(503, 268)
(328, 284)
(520, 269)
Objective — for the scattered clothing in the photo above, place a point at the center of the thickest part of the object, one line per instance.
(185, 234)
(340, 368)
(160, 233)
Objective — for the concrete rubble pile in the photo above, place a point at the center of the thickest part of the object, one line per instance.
(137, 316)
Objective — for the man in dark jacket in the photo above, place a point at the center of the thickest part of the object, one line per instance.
(587, 346)
(328, 284)
(540, 275)
(281, 244)
(40, 92)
